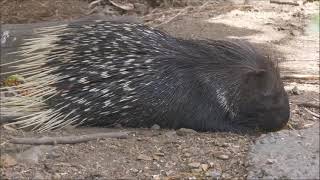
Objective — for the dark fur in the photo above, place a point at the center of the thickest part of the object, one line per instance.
(171, 82)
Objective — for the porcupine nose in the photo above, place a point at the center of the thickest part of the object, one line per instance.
(276, 119)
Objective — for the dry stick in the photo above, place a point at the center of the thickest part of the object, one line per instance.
(68, 139)
(301, 77)
(288, 2)
(307, 104)
(312, 113)
(169, 20)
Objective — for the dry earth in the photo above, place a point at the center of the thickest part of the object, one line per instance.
(168, 154)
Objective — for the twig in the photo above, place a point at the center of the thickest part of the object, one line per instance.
(288, 2)
(68, 139)
(312, 113)
(301, 77)
(184, 10)
(307, 104)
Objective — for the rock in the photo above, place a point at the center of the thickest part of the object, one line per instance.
(56, 176)
(226, 176)
(184, 131)
(204, 167)
(156, 177)
(7, 161)
(196, 170)
(155, 127)
(144, 157)
(271, 161)
(295, 91)
(155, 157)
(169, 173)
(194, 165)
(187, 154)
(223, 157)
(134, 170)
(170, 133)
(211, 164)
(159, 154)
(213, 174)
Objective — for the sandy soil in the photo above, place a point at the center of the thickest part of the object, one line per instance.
(168, 154)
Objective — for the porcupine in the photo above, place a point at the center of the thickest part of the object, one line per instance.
(104, 73)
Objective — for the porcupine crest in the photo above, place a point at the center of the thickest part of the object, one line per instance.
(104, 73)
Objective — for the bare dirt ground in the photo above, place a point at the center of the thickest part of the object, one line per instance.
(169, 154)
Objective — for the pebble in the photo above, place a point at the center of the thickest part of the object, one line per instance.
(156, 177)
(223, 156)
(196, 170)
(226, 176)
(295, 90)
(271, 161)
(155, 127)
(185, 131)
(213, 174)
(134, 170)
(144, 157)
(194, 164)
(155, 157)
(159, 154)
(204, 167)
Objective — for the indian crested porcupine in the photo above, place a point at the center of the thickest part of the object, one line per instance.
(104, 73)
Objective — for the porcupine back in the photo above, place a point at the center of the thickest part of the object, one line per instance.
(104, 73)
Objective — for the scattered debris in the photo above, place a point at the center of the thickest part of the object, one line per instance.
(68, 139)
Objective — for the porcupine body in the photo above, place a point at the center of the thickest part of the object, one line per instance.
(105, 73)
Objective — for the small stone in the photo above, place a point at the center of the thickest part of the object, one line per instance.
(211, 164)
(155, 157)
(169, 173)
(223, 156)
(185, 131)
(7, 161)
(194, 165)
(159, 154)
(295, 90)
(226, 176)
(187, 154)
(214, 174)
(196, 170)
(134, 170)
(192, 178)
(144, 157)
(271, 161)
(156, 177)
(204, 167)
(155, 127)
(56, 176)
(170, 133)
